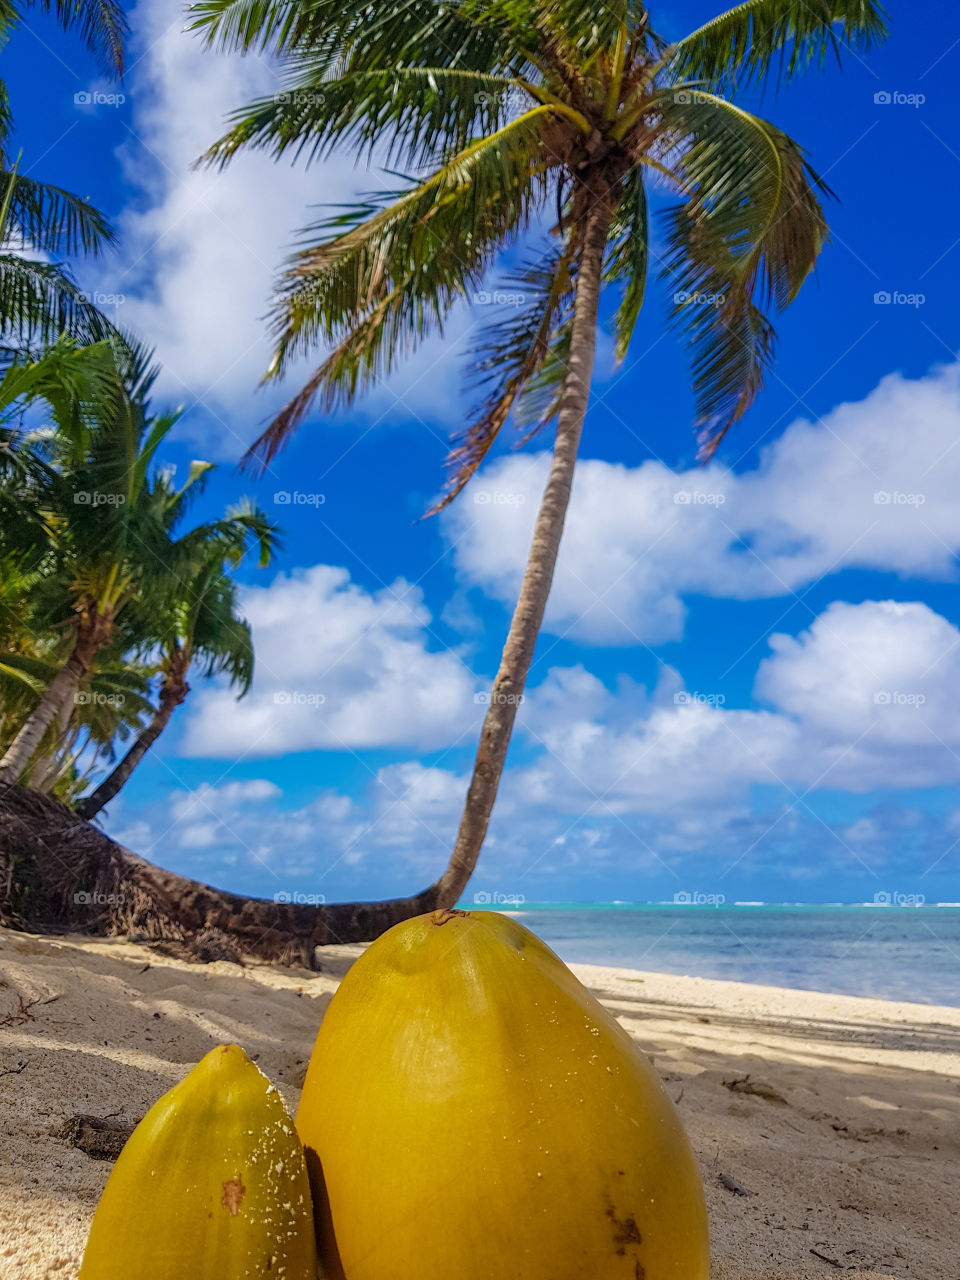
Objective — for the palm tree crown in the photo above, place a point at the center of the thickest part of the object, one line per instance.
(514, 112)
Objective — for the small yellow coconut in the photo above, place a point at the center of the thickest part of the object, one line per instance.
(212, 1185)
(471, 1112)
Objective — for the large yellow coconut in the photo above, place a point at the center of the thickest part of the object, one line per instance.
(212, 1185)
(471, 1112)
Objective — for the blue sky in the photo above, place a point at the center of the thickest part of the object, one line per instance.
(748, 680)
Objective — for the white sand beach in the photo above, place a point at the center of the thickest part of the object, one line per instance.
(839, 1116)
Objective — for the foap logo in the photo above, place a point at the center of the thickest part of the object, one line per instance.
(894, 898)
(300, 98)
(685, 699)
(91, 698)
(498, 498)
(286, 498)
(101, 300)
(686, 298)
(896, 698)
(894, 98)
(894, 498)
(497, 899)
(498, 698)
(897, 298)
(94, 98)
(499, 298)
(96, 899)
(94, 498)
(690, 97)
(295, 898)
(301, 296)
(297, 698)
(698, 498)
(511, 99)
(683, 898)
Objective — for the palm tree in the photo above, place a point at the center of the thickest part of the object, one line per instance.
(60, 471)
(509, 111)
(111, 523)
(201, 624)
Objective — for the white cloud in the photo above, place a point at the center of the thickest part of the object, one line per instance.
(201, 248)
(660, 759)
(638, 779)
(337, 668)
(868, 697)
(872, 486)
(875, 690)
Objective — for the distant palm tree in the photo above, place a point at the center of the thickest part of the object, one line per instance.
(111, 521)
(516, 111)
(201, 625)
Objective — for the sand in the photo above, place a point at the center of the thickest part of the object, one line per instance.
(846, 1135)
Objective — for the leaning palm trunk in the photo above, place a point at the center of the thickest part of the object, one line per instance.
(92, 632)
(175, 689)
(507, 692)
(45, 772)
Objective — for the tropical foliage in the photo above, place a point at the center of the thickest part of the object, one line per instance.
(104, 589)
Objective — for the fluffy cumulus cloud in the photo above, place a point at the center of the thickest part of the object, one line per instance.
(201, 247)
(337, 668)
(875, 690)
(637, 779)
(873, 485)
(867, 697)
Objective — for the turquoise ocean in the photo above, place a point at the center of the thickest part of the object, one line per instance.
(892, 952)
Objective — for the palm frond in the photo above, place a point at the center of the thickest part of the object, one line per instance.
(218, 636)
(423, 112)
(585, 29)
(102, 25)
(39, 301)
(781, 38)
(512, 352)
(627, 262)
(6, 113)
(747, 237)
(76, 383)
(464, 33)
(52, 219)
(388, 280)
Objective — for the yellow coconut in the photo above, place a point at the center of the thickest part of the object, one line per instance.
(471, 1112)
(212, 1185)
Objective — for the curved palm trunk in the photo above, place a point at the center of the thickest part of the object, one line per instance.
(173, 692)
(92, 632)
(511, 679)
(59, 874)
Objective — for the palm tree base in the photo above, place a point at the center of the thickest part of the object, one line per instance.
(59, 874)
